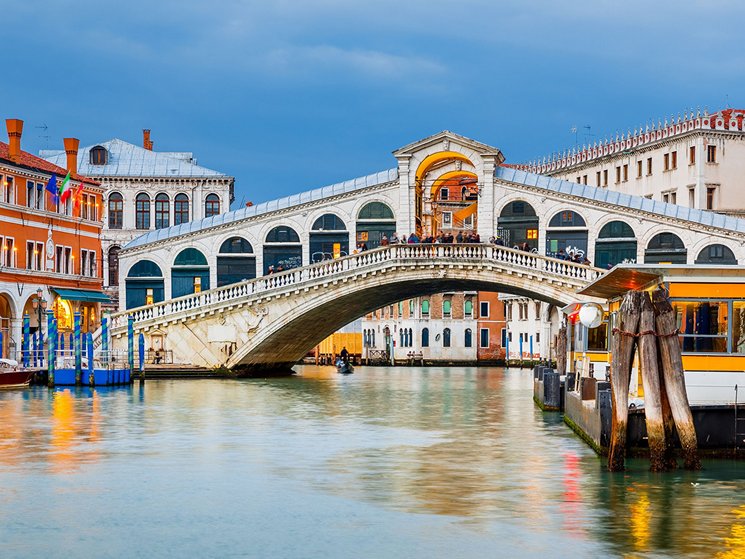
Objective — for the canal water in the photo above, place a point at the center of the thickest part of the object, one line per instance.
(388, 462)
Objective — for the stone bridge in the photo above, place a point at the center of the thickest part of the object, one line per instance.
(273, 321)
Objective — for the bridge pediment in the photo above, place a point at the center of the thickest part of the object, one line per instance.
(446, 140)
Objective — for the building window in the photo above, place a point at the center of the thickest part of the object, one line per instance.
(537, 337)
(99, 155)
(597, 178)
(618, 174)
(508, 311)
(162, 211)
(446, 308)
(484, 309)
(30, 196)
(584, 179)
(484, 337)
(666, 161)
(180, 209)
(674, 160)
(116, 211)
(468, 308)
(425, 307)
(142, 211)
(673, 197)
(7, 255)
(34, 255)
(578, 181)
(446, 337)
(639, 169)
(444, 193)
(468, 338)
(605, 177)
(69, 261)
(692, 155)
(412, 306)
(114, 265)
(425, 337)
(691, 198)
(711, 154)
(710, 191)
(8, 197)
(625, 172)
(538, 309)
(211, 205)
(649, 166)
(666, 197)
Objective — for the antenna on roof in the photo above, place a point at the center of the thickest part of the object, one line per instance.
(588, 134)
(44, 136)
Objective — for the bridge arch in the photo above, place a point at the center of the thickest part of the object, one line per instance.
(615, 242)
(236, 261)
(144, 284)
(190, 272)
(566, 230)
(715, 253)
(282, 249)
(665, 247)
(519, 222)
(374, 219)
(328, 237)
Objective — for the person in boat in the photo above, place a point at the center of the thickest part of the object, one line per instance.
(344, 355)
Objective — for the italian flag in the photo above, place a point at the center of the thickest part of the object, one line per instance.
(65, 190)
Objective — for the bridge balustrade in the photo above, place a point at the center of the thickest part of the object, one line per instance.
(368, 259)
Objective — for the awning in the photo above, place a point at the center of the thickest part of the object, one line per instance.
(85, 295)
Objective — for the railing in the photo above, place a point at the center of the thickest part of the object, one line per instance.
(515, 259)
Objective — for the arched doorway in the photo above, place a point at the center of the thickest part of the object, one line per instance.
(113, 261)
(329, 238)
(282, 249)
(518, 224)
(144, 284)
(665, 248)
(375, 220)
(189, 273)
(716, 254)
(235, 262)
(567, 232)
(615, 244)
(6, 317)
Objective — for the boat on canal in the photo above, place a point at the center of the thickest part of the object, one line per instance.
(14, 376)
(344, 367)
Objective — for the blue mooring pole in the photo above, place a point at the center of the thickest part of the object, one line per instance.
(78, 350)
(26, 340)
(131, 343)
(52, 347)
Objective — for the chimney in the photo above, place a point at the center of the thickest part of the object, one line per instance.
(71, 149)
(146, 142)
(15, 129)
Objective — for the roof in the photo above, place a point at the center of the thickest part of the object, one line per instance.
(266, 207)
(129, 160)
(34, 163)
(701, 217)
(448, 135)
(627, 277)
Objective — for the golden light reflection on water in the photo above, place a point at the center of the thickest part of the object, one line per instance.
(735, 541)
(640, 516)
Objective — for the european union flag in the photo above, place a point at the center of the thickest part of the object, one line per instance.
(52, 187)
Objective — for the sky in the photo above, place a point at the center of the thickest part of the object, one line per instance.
(287, 96)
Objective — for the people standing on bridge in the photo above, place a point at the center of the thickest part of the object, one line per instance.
(394, 239)
(413, 239)
(459, 238)
(384, 241)
(270, 270)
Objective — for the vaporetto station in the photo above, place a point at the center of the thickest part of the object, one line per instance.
(204, 288)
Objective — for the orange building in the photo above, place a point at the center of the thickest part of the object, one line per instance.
(47, 247)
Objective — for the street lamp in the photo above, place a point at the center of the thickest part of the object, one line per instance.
(40, 306)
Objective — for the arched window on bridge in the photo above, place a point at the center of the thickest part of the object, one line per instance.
(144, 284)
(329, 238)
(468, 337)
(665, 248)
(446, 337)
(517, 224)
(190, 273)
(375, 220)
(566, 231)
(717, 254)
(615, 244)
(235, 262)
(282, 249)
(425, 337)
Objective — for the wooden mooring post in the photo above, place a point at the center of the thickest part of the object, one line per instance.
(673, 373)
(561, 351)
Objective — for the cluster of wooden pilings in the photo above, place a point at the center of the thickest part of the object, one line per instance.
(648, 324)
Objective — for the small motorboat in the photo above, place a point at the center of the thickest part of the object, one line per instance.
(344, 367)
(13, 376)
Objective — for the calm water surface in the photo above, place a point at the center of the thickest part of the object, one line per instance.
(406, 462)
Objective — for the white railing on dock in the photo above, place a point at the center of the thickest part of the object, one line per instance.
(372, 259)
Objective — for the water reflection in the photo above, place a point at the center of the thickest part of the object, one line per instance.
(413, 444)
